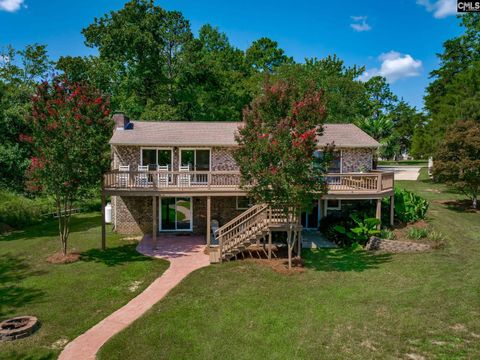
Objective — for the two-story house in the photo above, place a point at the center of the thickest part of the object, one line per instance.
(180, 176)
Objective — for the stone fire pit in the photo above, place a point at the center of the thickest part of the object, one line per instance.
(18, 327)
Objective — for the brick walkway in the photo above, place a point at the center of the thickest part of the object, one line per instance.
(185, 253)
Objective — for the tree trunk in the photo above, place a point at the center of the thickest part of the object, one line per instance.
(289, 246)
(474, 202)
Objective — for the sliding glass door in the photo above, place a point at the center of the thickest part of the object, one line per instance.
(176, 213)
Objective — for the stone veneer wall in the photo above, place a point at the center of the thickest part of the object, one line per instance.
(221, 158)
(224, 209)
(133, 215)
(353, 159)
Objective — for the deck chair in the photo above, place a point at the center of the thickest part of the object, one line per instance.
(184, 180)
(142, 179)
(213, 228)
(123, 179)
(163, 178)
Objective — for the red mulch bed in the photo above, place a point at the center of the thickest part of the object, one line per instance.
(59, 258)
(401, 230)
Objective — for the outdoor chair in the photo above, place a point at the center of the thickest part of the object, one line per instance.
(213, 228)
(184, 180)
(163, 178)
(123, 179)
(142, 179)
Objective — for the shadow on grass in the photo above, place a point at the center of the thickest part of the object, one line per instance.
(461, 206)
(343, 260)
(15, 355)
(50, 228)
(12, 295)
(115, 256)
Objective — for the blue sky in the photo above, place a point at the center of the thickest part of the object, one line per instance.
(394, 38)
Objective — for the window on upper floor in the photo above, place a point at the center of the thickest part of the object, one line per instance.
(336, 163)
(152, 157)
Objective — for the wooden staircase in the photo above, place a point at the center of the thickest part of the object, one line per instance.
(249, 228)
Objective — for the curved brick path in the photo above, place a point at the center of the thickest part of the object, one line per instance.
(185, 254)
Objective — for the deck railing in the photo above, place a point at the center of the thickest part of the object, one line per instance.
(371, 182)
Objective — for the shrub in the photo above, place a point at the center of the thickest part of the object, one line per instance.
(327, 227)
(17, 211)
(409, 207)
(437, 239)
(387, 234)
(362, 231)
(417, 234)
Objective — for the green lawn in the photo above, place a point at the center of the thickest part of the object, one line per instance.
(345, 306)
(68, 299)
(404, 162)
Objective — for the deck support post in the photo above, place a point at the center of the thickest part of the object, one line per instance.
(392, 209)
(269, 244)
(104, 235)
(378, 213)
(154, 222)
(209, 211)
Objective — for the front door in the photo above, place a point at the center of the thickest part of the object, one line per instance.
(175, 214)
(310, 219)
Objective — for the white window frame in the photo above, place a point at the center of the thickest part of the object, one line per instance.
(339, 207)
(195, 155)
(157, 148)
(160, 215)
(241, 208)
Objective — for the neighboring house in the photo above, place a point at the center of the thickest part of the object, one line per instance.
(181, 177)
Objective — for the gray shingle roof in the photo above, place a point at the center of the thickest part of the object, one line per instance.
(215, 133)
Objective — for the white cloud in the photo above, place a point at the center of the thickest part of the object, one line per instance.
(360, 23)
(440, 8)
(10, 5)
(394, 66)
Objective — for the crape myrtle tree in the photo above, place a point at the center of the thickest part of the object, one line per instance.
(70, 128)
(276, 151)
(457, 160)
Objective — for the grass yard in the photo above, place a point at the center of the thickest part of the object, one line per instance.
(67, 299)
(404, 162)
(345, 306)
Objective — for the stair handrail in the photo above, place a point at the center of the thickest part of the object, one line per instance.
(252, 214)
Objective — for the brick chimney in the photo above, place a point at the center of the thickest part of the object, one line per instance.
(121, 121)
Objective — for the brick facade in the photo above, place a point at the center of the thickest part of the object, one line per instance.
(221, 158)
(133, 214)
(356, 159)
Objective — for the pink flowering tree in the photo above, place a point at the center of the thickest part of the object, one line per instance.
(276, 152)
(71, 127)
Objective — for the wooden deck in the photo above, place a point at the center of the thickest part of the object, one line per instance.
(227, 183)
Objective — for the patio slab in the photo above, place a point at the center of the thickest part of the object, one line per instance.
(185, 254)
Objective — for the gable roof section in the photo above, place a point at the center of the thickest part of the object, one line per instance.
(222, 133)
(346, 136)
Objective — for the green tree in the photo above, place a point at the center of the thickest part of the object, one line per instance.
(343, 92)
(264, 55)
(145, 44)
(457, 160)
(276, 151)
(406, 120)
(70, 132)
(453, 93)
(20, 70)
